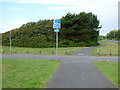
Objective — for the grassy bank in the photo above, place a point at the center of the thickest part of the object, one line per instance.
(23, 50)
(105, 51)
(24, 73)
(110, 70)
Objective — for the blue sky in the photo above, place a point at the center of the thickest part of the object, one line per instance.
(14, 13)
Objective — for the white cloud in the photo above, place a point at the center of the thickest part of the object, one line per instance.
(4, 27)
(15, 8)
(58, 2)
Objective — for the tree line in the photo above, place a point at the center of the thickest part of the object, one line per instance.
(112, 35)
(76, 30)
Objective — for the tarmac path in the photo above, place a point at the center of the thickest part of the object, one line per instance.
(115, 41)
(86, 51)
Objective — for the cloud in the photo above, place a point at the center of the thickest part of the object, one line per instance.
(58, 8)
(4, 27)
(103, 8)
(57, 2)
(15, 8)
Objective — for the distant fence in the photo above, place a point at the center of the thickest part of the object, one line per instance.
(28, 52)
(99, 54)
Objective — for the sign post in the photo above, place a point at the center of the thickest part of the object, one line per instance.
(10, 42)
(56, 46)
(114, 35)
(56, 26)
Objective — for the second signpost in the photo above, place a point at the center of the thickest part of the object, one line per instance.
(56, 26)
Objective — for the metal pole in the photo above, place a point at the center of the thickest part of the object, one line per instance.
(10, 41)
(56, 46)
(114, 35)
(110, 37)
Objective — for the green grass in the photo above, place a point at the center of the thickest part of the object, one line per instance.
(23, 50)
(109, 69)
(27, 73)
(105, 51)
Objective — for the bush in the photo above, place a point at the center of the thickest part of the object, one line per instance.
(77, 30)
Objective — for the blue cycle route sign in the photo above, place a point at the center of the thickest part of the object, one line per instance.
(56, 24)
(56, 21)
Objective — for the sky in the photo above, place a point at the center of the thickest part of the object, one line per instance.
(15, 13)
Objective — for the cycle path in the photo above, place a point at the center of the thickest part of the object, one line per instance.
(77, 73)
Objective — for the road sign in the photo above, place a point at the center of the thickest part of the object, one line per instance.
(56, 24)
(56, 30)
(56, 21)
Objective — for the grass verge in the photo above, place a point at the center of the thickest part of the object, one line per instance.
(27, 73)
(23, 50)
(105, 51)
(109, 69)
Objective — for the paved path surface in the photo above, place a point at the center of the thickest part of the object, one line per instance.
(79, 75)
(86, 51)
(115, 41)
(74, 71)
(62, 58)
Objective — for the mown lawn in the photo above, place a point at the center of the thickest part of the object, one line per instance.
(109, 69)
(23, 50)
(27, 73)
(105, 51)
